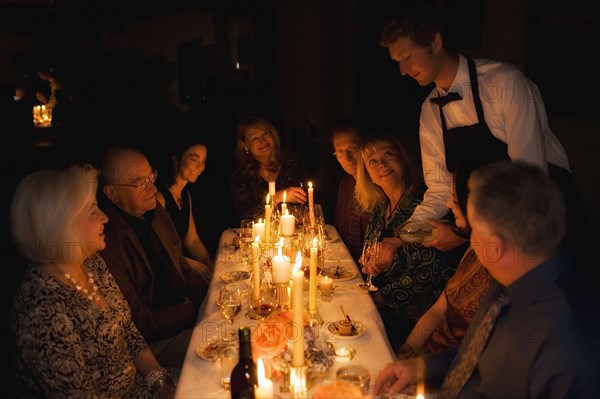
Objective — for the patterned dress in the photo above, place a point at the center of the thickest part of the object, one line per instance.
(249, 190)
(463, 293)
(418, 274)
(67, 346)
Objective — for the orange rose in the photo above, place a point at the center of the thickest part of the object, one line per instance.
(269, 340)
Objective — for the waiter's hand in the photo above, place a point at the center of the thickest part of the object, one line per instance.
(444, 238)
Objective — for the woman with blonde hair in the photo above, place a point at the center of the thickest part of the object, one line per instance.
(410, 277)
(260, 161)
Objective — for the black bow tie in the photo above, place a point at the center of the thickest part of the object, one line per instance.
(443, 100)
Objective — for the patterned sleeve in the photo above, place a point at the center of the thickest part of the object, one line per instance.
(51, 349)
(135, 340)
(247, 194)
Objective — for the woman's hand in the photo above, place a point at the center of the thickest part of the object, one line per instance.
(389, 246)
(294, 195)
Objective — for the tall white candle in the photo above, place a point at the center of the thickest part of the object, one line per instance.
(272, 190)
(287, 224)
(311, 204)
(281, 267)
(259, 228)
(255, 268)
(298, 313)
(264, 390)
(268, 220)
(312, 287)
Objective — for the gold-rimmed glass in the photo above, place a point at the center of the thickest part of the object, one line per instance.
(142, 184)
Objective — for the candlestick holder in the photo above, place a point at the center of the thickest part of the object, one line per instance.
(282, 297)
(314, 317)
(298, 385)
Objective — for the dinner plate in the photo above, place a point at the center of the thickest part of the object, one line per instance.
(331, 234)
(342, 273)
(237, 275)
(332, 328)
(209, 350)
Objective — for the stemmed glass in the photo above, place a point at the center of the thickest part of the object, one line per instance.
(246, 238)
(230, 303)
(263, 304)
(369, 257)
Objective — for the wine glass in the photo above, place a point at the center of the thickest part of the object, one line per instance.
(246, 238)
(369, 257)
(230, 302)
(264, 303)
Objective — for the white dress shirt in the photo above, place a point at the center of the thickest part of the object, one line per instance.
(514, 112)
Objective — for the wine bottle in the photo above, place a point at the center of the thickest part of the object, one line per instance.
(243, 376)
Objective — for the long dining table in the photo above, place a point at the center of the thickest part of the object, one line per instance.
(200, 376)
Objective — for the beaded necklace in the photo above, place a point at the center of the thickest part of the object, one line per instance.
(90, 295)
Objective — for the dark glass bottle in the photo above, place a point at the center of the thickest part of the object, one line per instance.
(243, 376)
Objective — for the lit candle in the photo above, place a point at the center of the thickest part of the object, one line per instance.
(264, 390)
(326, 284)
(283, 204)
(255, 268)
(312, 288)
(287, 224)
(281, 267)
(298, 313)
(420, 391)
(268, 219)
(259, 228)
(311, 204)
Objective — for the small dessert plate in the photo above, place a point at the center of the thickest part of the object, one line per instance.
(209, 350)
(231, 277)
(340, 273)
(358, 331)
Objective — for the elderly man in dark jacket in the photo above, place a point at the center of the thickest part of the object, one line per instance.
(144, 254)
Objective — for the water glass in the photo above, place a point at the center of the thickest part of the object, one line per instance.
(246, 238)
(228, 358)
(357, 375)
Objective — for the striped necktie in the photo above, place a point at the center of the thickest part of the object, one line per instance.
(462, 370)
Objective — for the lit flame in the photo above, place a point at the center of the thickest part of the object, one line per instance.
(284, 195)
(309, 184)
(279, 250)
(315, 242)
(257, 239)
(268, 199)
(260, 371)
(420, 389)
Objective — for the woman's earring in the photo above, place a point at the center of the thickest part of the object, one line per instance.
(247, 150)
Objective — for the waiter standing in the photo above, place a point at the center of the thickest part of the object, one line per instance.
(480, 111)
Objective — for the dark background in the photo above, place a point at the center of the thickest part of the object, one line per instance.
(306, 65)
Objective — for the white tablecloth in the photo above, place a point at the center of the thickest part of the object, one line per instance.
(200, 378)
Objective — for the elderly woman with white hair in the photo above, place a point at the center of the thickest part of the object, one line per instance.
(71, 326)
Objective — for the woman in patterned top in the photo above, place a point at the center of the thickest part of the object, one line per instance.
(260, 161)
(444, 324)
(410, 277)
(71, 327)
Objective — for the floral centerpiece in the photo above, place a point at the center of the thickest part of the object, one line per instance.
(272, 342)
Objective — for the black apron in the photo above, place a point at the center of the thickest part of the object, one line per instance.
(472, 145)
